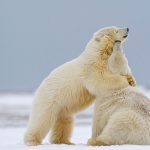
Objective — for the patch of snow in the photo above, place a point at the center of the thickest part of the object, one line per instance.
(12, 139)
(14, 113)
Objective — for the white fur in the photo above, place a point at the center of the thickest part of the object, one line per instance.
(70, 88)
(121, 116)
(118, 63)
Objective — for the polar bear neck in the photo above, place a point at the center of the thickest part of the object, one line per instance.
(120, 93)
(97, 53)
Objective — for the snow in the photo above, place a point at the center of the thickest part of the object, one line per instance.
(11, 139)
(14, 112)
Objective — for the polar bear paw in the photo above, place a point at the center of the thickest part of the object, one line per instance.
(32, 143)
(131, 80)
(95, 142)
(62, 142)
(31, 140)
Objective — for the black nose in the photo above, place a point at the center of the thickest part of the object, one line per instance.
(127, 29)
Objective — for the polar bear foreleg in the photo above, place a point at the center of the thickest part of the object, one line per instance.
(62, 130)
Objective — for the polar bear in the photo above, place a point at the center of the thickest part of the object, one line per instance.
(72, 87)
(121, 116)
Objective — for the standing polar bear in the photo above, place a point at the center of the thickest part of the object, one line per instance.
(72, 87)
(122, 115)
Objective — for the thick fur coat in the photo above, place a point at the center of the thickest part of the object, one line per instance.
(72, 87)
(121, 116)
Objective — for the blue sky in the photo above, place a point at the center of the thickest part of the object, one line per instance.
(38, 35)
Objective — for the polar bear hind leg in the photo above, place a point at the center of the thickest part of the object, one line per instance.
(41, 120)
(124, 127)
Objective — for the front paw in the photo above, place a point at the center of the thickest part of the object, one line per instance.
(92, 142)
(95, 142)
(131, 80)
(62, 142)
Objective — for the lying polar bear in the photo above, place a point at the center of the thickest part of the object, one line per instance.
(72, 87)
(121, 116)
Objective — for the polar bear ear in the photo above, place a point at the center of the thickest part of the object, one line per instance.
(97, 39)
(98, 36)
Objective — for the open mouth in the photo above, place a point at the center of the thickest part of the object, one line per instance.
(125, 36)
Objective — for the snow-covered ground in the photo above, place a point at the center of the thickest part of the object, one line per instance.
(14, 112)
(11, 139)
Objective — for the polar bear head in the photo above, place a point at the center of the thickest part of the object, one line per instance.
(116, 33)
(100, 47)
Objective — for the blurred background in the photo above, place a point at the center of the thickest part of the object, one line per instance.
(38, 35)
